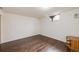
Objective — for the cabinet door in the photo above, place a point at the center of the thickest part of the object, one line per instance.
(75, 44)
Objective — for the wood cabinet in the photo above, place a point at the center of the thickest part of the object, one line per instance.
(73, 43)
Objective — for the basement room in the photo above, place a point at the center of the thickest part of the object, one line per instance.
(39, 29)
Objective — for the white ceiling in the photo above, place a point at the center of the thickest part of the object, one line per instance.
(38, 12)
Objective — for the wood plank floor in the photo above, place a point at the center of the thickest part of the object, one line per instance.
(37, 43)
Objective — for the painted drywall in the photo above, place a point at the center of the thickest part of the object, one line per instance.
(66, 26)
(0, 28)
(1, 13)
(16, 27)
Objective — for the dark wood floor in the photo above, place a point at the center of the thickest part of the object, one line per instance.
(38, 43)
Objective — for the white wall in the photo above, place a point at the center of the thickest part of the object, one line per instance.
(67, 25)
(17, 27)
(1, 13)
(0, 28)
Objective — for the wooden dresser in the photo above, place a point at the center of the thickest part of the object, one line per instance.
(73, 43)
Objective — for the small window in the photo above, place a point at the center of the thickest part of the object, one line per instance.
(57, 17)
